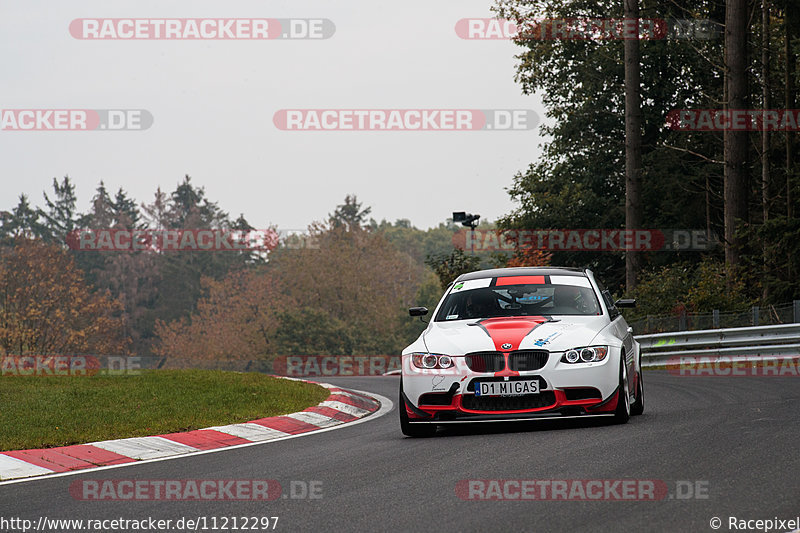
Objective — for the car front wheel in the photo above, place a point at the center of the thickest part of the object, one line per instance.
(623, 412)
(637, 407)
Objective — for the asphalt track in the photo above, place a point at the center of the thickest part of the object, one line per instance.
(736, 437)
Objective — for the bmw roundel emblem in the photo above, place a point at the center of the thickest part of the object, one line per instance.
(506, 346)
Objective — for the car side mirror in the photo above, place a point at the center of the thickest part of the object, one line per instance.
(418, 311)
(625, 302)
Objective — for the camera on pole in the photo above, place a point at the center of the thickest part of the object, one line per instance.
(466, 219)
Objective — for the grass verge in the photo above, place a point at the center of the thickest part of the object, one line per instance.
(42, 412)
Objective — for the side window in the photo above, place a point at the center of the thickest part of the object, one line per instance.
(613, 312)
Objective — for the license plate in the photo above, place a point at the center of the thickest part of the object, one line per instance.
(506, 388)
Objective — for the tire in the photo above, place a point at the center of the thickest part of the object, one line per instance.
(623, 412)
(409, 429)
(637, 407)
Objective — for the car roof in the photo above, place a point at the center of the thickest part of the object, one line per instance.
(523, 271)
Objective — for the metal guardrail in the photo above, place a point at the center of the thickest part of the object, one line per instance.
(786, 313)
(734, 343)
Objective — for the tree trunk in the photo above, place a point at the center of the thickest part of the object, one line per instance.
(765, 152)
(791, 24)
(633, 144)
(735, 186)
(765, 105)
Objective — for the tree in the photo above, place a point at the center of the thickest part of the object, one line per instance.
(633, 142)
(529, 257)
(126, 212)
(349, 215)
(236, 319)
(418, 243)
(129, 277)
(347, 297)
(449, 267)
(180, 274)
(101, 215)
(61, 216)
(188, 207)
(736, 178)
(356, 277)
(580, 180)
(47, 308)
(765, 135)
(22, 221)
(155, 213)
(687, 287)
(791, 31)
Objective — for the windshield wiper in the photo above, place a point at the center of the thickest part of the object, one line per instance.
(548, 319)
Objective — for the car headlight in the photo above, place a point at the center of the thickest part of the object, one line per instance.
(588, 354)
(431, 361)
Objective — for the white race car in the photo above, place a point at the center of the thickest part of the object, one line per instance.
(521, 344)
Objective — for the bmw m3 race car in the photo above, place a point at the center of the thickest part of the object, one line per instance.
(520, 344)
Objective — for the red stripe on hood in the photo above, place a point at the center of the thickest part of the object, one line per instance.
(510, 330)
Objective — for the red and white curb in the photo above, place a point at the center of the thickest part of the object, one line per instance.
(343, 407)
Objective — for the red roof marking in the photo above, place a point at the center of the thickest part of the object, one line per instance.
(518, 280)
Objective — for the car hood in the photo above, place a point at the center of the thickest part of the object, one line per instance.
(465, 336)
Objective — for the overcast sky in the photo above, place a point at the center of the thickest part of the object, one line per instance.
(213, 104)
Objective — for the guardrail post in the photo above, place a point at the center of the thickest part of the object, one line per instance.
(715, 318)
(796, 307)
(755, 315)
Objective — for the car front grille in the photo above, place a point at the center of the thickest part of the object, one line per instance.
(523, 360)
(485, 361)
(508, 403)
(518, 361)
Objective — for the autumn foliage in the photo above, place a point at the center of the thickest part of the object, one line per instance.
(530, 257)
(46, 307)
(236, 319)
(345, 297)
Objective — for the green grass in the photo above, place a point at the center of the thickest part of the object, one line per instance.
(41, 412)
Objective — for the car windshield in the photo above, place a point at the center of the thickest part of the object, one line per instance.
(469, 302)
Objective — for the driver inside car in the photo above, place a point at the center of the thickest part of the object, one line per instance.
(481, 304)
(566, 296)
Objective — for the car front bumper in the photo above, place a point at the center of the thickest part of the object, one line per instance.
(565, 390)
